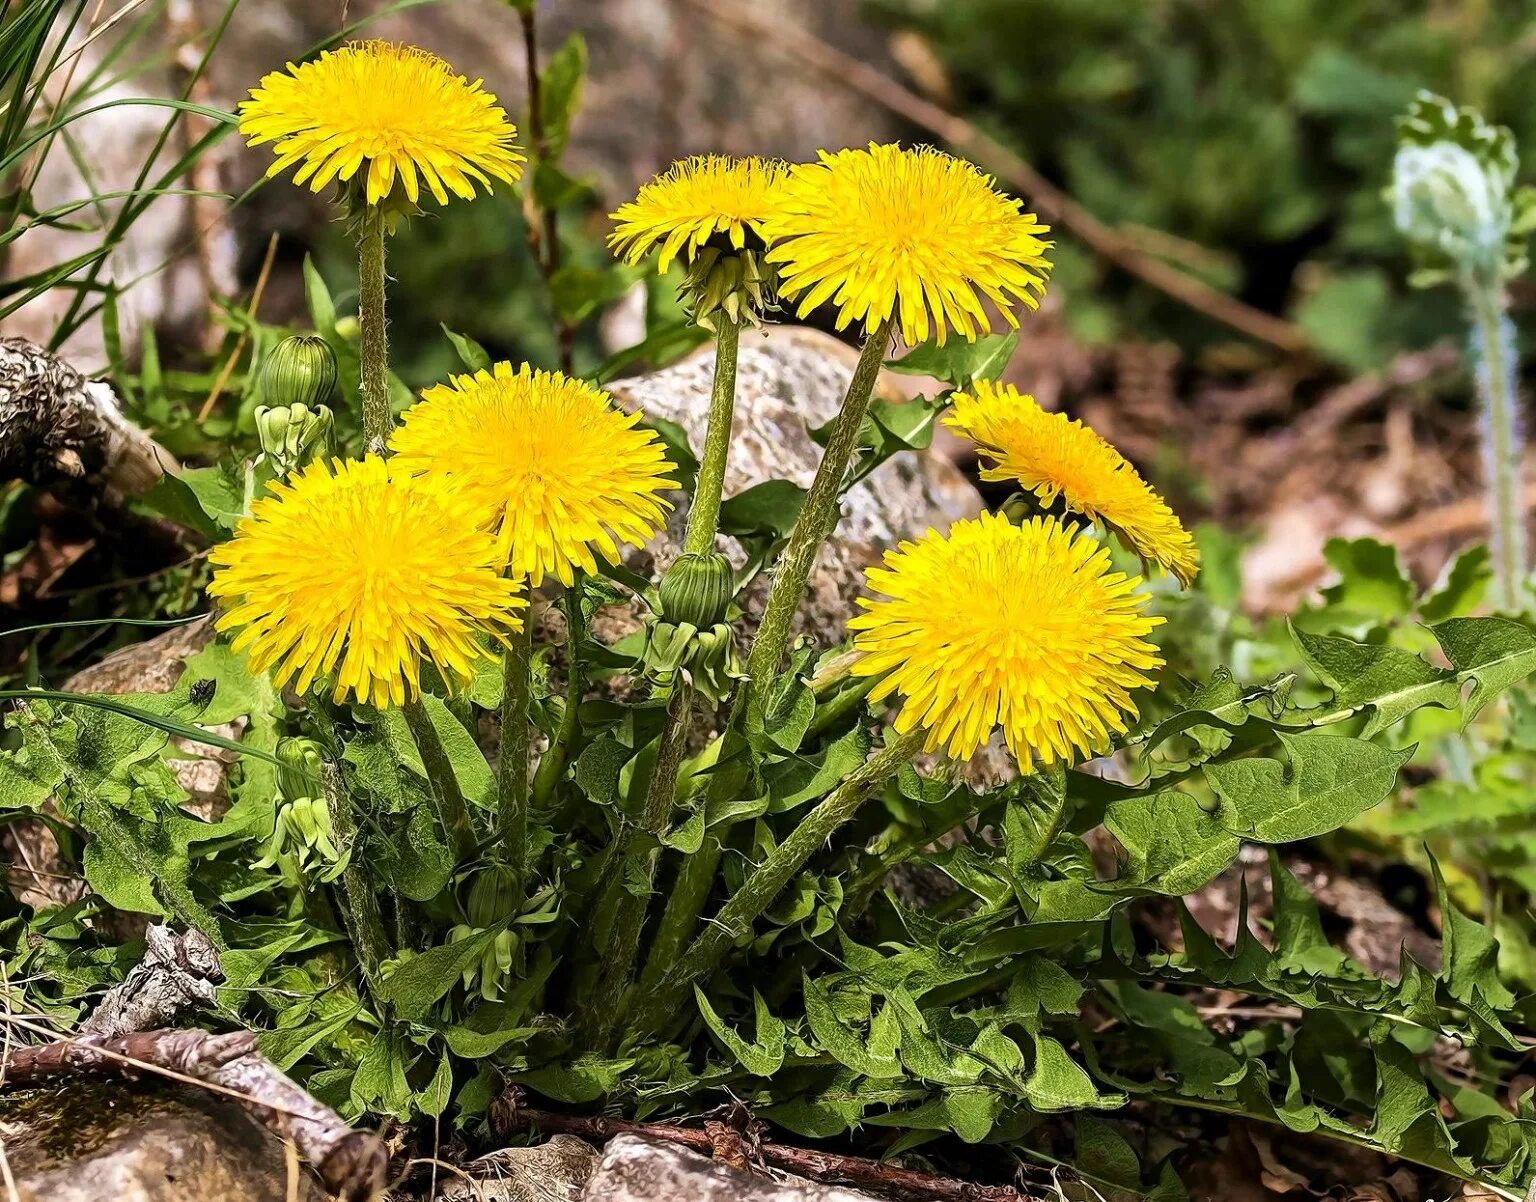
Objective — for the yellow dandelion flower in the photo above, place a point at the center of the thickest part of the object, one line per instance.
(911, 235)
(697, 199)
(1053, 456)
(553, 465)
(397, 113)
(1027, 628)
(349, 568)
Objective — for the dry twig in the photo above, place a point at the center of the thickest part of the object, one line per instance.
(509, 1117)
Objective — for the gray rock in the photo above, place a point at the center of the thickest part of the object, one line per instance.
(788, 381)
(634, 1169)
(555, 1171)
(144, 1142)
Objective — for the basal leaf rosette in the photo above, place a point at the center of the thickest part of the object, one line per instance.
(555, 469)
(350, 569)
(1054, 456)
(390, 117)
(1027, 628)
(914, 236)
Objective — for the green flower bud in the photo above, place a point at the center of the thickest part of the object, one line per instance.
(302, 763)
(299, 371)
(490, 896)
(293, 435)
(696, 590)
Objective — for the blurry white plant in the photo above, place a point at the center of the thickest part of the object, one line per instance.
(1455, 199)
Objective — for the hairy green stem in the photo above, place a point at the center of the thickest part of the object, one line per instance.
(704, 516)
(373, 335)
(1493, 351)
(685, 906)
(818, 518)
(357, 898)
(767, 881)
(452, 811)
(512, 764)
(552, 762)
(623, 945)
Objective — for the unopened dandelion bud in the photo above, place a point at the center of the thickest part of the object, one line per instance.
(697, 589)
(491, 896)
(300, 370)
(302, 763)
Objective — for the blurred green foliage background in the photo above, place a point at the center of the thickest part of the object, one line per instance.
(1257, 133)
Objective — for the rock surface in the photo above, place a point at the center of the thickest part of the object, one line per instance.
(641, 1170)
(142, 1142)
(556, 1171)
(788, 381)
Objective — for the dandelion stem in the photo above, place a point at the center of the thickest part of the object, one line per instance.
(552, 763)
(618, 958)
(512, 767)
(767, 881)
(1493, 350)
(704, 516)
(374, 339)
(452, 812)
(357, 900)
(818, 518)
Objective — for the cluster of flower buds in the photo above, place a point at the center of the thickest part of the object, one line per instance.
(689, 634)
(295, 425)
(303, 841)
(740, 283)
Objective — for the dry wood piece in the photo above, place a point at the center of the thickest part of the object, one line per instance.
(510, 1117)
(59, 430)
(351, 1163)
(178, 973)
(191, 1053)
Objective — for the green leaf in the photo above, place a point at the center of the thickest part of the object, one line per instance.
(471, 353)
(1462, 587)
(841, 1041)
(1329, 782)
(1057, 1082)
(210, 500)
(322, 310)
(1493, 652)
(1387, 680)
(1372, 585)
(767, 508)
(423, 864)
(959, 362)
(761, 1058)
(416, 985)
(583, 1080)
(433, 1100)
(1173, 845)
(560, 83)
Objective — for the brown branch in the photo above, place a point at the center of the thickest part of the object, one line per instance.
(1052, 203)
(191, 1053)
(508, 1118)
(351, 1164)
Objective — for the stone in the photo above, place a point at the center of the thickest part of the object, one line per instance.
(634, 1169)
(788, 381)
(144, 1141)
(555, 1171)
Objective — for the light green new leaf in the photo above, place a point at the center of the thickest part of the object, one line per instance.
(1329, 782)
(1057, 1082)
(763, 1057)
